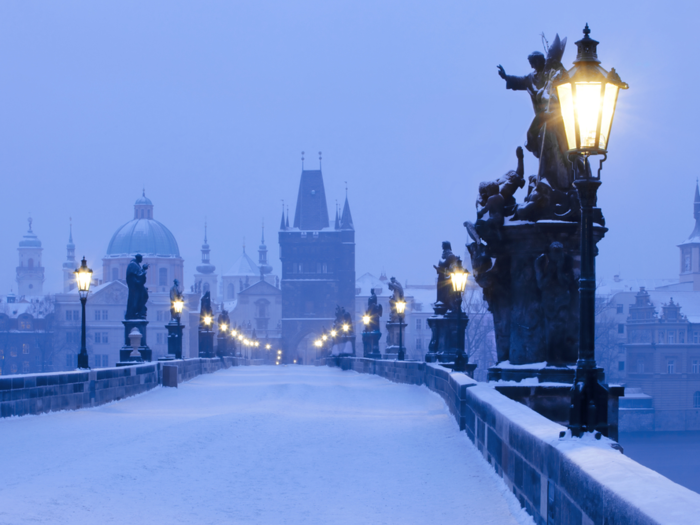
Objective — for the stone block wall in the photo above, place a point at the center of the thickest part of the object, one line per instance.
(559, 481)
(22, 395)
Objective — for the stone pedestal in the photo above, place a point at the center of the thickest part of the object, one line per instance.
(394, 340)
(206, 343)
(447, 337)
(125, 352)
(370, 342)
(175, 338)
(533, 321)
(222, 344)
(345, 346)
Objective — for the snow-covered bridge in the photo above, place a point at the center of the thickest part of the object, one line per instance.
(265, 444)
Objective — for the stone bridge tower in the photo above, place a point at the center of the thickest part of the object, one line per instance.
(318, 268)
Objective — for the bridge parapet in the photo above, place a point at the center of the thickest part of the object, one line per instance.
(557, 480)
(26, 394)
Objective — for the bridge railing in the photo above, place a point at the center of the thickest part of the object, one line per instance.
(557, 480)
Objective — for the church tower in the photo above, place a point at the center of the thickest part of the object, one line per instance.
(205, 279)
(690, 249)
(30, 272)
(265, 268)
(69, 266)
(318, 268)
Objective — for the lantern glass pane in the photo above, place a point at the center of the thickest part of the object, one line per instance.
(609, 101)
(566, 103)
(84, 279)
(587, 103)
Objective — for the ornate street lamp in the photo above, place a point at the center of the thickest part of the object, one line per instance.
(400, 309)
(174, 327)
(83, 276)
(458, 277)
(587, 96)
(346, 327)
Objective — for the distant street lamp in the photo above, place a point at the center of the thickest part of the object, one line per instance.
(400, 309)
(83, 276)
(588, 95)
(366, 319)
(458, 277)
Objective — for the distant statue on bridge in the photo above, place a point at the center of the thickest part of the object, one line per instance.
(374, 311)
(444, 286)
(205, 310)
(397, 289)
(138, 293)
(175, 295)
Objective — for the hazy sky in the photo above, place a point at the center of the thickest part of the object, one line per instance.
(208, 104)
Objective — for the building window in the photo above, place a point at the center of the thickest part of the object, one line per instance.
(159, 315)
(13, 368)
(76, 315)
(620, 329)
(105, 315)
(687, 261)
(671, 366)
(671, 337)
(696, 400)
(97, 315)
(418, 324)
(640, 367)
(163, 277)
(696, 366)
(620, 308)
(661, 336)
(98, 338)
(419, 344)
(69, 315)
(30, 263)
(25, 323)
(621, 366)
(13, 351)
(25, 367)
(681, 336)
(25, 348)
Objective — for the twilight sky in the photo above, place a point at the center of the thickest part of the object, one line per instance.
(208, 104)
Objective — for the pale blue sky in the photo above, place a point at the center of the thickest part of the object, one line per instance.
(209, 104)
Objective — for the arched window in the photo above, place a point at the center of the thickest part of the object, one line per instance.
(696, 400)
(115, 273)
(30, 263)
(230, 291)
(163, 277)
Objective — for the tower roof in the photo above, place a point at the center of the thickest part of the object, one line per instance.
(346, 218)
(30, 240)
(243, 266)
(312, 211)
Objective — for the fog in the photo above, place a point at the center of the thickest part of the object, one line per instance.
(208, 105)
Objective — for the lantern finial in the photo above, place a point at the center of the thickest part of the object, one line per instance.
(587, 48)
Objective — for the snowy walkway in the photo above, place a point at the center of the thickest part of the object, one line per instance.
(263, 445)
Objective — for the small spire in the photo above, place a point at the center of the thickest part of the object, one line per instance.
(287, 225)
(244, 244)
(70, 235)
(205, 230)
(320, 163)
(282, 227)
(263, 232)
(302, 161)
(30, 224)
(143, 192)
(697, 191)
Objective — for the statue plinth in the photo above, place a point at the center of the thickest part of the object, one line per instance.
(370, 341)
(532, 291)
(345, 347)
(447, 337)
(206, 343)
(175, 338)
(222, 344)
(126, 351)
(392, 339)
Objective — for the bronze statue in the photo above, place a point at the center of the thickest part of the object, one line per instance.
(138, 293)
(205, 310)
(444, 286)
(397, 289)
(374, 311)
(175, 295)
(223, 318)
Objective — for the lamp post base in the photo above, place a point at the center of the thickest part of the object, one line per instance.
(370, 341)
(83, 361)
(206, 344)
(175, 338)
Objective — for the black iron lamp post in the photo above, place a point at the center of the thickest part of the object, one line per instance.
(174, 328)
(83, 276)
(400, 310)
(458, 277)
(587, 96)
